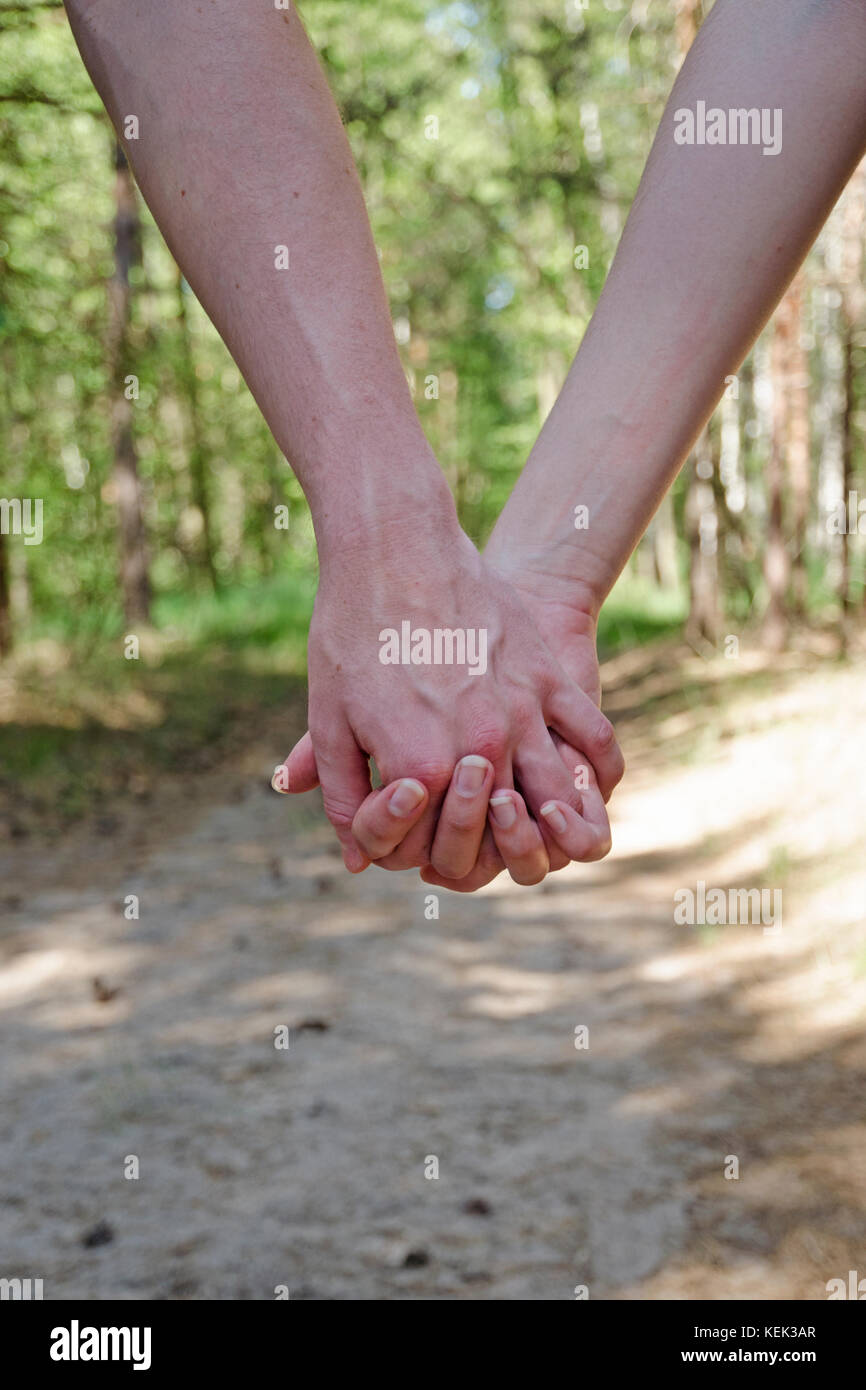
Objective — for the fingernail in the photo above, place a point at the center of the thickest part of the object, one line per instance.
(280, 779)
(554, 817)
(503, 811)
(471, 772)
(405, 797)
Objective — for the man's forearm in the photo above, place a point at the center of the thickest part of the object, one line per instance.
(715, 235)
(240, 152)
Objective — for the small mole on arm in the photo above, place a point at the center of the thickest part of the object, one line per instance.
(183, 192)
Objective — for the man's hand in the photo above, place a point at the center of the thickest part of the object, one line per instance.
(418, 721)
(565, 801)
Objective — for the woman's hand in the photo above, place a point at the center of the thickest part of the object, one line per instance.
(567, 618)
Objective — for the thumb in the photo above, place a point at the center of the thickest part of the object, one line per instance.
(298, 773)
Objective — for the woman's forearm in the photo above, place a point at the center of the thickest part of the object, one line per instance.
(715, 235)
(242, 158)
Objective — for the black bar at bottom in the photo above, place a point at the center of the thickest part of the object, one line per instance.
(149, 1339)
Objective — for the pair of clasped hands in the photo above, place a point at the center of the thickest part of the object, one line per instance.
(509, 769)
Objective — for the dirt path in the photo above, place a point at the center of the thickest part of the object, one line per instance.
(455, 1039)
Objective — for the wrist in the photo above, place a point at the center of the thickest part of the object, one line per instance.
(389, 533)
(390, 502)
(560, 574)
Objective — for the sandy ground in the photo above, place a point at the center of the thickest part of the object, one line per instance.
(412, 1039)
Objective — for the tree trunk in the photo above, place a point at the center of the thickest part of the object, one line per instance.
(687, 15)
(134, 580)
(777, 565)
(847, 464)
(664, 543)
(5, 586)
(799, 449)
(830, 544)
(853, 305)
(197, 456)
(5, 606)
(702, 533)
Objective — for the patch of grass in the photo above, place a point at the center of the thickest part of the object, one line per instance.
(84, 724)
(637, 612)
(269, 615)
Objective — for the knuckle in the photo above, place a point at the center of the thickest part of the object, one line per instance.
(603, 736)
(372, 843)
(445, 866)
(434, 773)
(573, 798)
(320, 732)
(489, 736)
(466, 815)
(339, 810)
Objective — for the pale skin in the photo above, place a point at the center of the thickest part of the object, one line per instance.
(713, 239)
(240, 152)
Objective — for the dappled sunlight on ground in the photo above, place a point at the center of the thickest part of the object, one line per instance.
(582, 1067)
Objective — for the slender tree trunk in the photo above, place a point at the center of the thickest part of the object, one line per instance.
(847, 463)
(853, 307)
(702, 533)
(799, 449)
(687, 17)
(730, 473)
(5, 587)
(830, 361)
(134, 580)
(664, 543)
(777, 565)
(5, 605)
(197, 453)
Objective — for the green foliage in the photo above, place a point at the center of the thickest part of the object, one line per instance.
(543, 113)
(638, 612)
(476, 229)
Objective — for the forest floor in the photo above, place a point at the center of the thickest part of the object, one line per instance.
(452, 1039)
